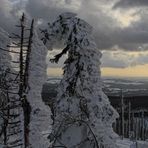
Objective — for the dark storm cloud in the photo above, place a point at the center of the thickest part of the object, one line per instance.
(5, 13)
(134, 36)
(131, 3)
(9, 13)
(46, 9)
(103, 25)
(108, 32)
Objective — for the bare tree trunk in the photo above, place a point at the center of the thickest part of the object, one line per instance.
(122, 112)
(18, 111)
(129, 119)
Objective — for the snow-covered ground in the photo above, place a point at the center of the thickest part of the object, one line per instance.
(126, 143)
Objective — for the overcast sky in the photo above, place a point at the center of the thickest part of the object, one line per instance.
(120, 26)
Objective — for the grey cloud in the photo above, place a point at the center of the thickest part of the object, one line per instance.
(113, 60)
(107, 31)
(114, 63)
(131, 3)
(48, 10)
(121, 59)
(142, 59)
(5, 13)
(103, 25)
(134, 36)
(9, 12)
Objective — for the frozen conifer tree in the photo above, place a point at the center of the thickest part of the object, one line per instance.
(40, 121)
(83, 114)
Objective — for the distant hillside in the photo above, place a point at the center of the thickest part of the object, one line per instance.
(130, 87)
(112, 87)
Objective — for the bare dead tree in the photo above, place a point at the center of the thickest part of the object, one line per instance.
(16, 93)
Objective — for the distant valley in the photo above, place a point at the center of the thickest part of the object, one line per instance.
(111, 86)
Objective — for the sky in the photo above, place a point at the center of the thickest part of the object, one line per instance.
(120, 29)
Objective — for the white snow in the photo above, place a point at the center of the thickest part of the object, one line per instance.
(40, 122)
(126, 143)
(82, 54)
(5, 64)
(4, 56)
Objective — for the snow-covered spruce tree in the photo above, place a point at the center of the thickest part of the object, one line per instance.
(40, 121)
(83, 114)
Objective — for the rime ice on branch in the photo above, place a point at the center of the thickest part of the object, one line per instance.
(40, 121)
(83, 114)
(10, 134)
(27, 119)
